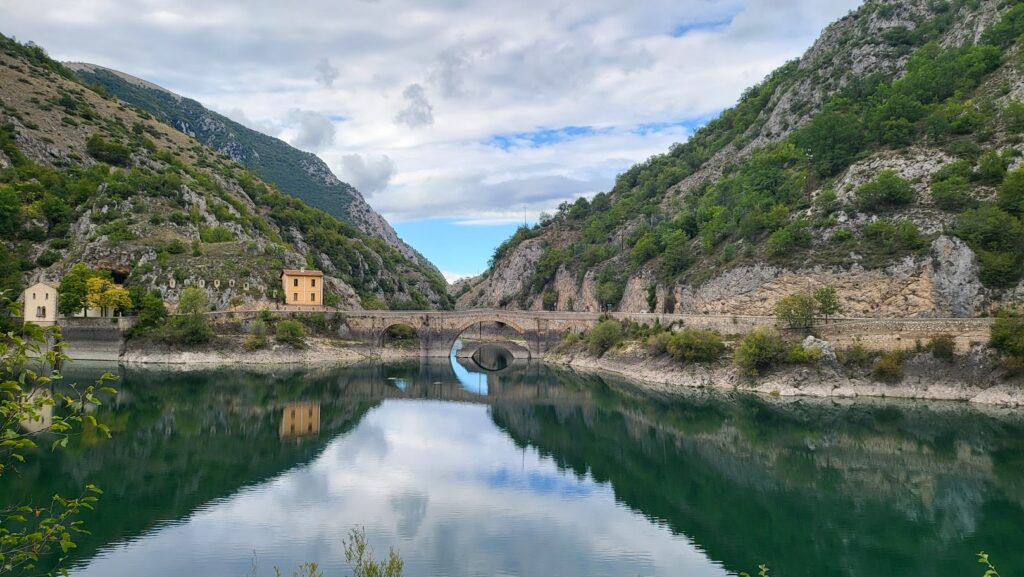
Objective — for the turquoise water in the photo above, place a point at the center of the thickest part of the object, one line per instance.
(530, 471)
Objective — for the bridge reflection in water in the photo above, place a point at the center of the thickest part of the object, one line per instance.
(853, 487)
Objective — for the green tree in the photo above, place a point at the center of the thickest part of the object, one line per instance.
(677, 256)
(152, 311)
(797, 310)
(190, 326)
(73, 288)
(828, 301)
(604, 336)
(192, 301)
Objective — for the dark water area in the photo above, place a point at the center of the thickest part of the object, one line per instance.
(529, 470)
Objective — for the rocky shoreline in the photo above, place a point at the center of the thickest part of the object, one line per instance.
(973, 377)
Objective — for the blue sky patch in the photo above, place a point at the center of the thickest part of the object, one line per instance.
(687, 27)
(543, 137)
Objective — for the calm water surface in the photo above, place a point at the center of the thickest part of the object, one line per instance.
(530, 471)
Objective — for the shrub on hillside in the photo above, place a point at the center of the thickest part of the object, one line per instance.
(798, 355)
(759, 351)
(292, 332)
(695, 345)
(887, 190)
(942, 347)
(605, 335)
(257, 336)
(106, 151)
(889, 367)
(1007, 335)
(657, 344)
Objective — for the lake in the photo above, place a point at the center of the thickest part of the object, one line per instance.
(530, 470)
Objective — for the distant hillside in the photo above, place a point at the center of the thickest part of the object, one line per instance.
(885, 161)
(86, 177)
(298, 173)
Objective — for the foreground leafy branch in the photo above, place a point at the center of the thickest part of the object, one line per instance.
(28, 398)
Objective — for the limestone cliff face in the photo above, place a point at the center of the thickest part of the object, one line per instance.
(939, 277)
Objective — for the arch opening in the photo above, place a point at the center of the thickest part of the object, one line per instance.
(489, 336)
(400, 336)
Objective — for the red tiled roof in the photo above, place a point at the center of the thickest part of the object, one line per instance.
(300, 272)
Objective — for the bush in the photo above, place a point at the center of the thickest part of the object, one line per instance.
(47, 258)
(942, 347)
(605, 335)
(292, 332)
(1007, 334)
(258, 336)
(191, 329)
(855, 354)
(760, 350)
(109, 152)
(887, 190)
(215, 234)
(952, 194)
(798, 355)
(695, 345)
(177, 246)
(152, 311)
(887, 237)
(657, 344)
(889, 367)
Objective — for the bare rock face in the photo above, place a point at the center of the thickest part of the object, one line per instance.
(955, 277)
(4, 161)
(828, 352)
(506, 281)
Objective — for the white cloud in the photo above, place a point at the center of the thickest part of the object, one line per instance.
(325, 73)
(426, 86)
(310, 130)
(418, 111)
(367, 173)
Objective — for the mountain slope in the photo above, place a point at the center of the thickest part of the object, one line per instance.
(883, 161)
(86, 177)
(298, 173)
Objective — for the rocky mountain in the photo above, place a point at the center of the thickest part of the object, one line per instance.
(297, 173)
(87, 177)
(884, 161)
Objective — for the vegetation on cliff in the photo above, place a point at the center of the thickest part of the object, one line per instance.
(85, 177)
(787, 201)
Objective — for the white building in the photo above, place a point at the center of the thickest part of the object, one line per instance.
(41, 304)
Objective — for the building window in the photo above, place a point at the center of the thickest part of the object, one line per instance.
(295, 297)
(312, 282)
(33, 296)
(46, 296)
(312, 297)
(39, 312)
(295, 282)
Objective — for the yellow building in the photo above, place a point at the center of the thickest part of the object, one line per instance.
(41, 304)
(302, 287)
(300, 420)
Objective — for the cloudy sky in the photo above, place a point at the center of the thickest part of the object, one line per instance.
(457, 119)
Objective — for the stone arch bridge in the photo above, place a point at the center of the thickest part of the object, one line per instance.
(437, 331)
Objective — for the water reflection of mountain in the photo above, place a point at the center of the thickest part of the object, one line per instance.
(866, 488)
(856, 488)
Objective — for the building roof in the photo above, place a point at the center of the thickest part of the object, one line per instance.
(300, 272)
(49, 284)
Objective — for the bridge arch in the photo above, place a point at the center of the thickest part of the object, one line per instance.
(462, 327)
(399, 334)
